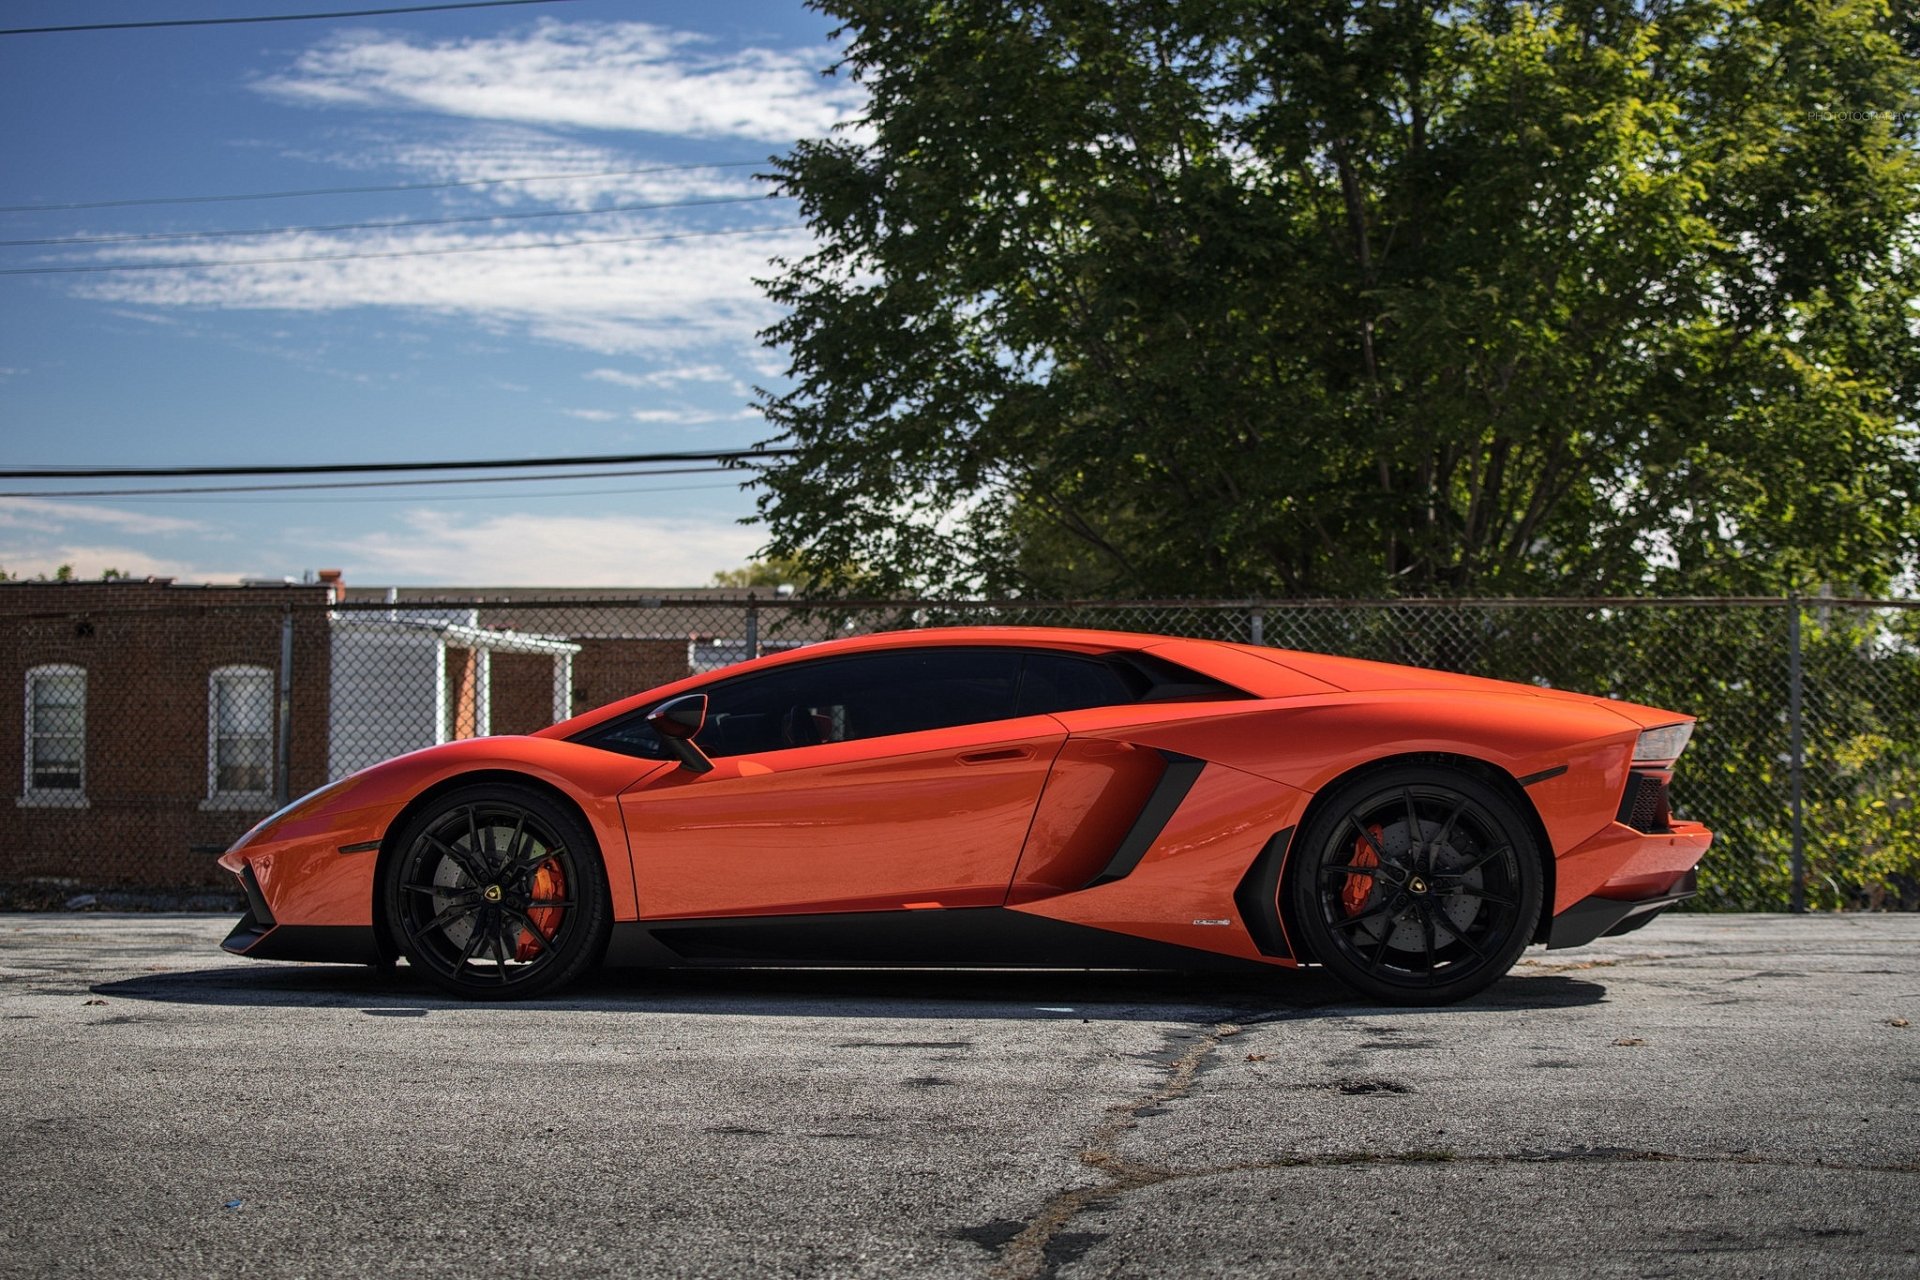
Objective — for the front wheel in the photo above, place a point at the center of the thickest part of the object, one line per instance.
(496, 892)
(1417, 885)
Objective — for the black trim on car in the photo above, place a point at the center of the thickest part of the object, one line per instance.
(257, 923)
(365, 846)
(1598, 917)
(1258, 897)
(1543, 775)
(984, 936)
(327, 943)
(1176, 779)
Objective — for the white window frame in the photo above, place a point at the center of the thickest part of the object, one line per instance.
(216, 798)
(35, 797)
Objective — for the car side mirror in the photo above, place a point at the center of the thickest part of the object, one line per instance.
(677, 721)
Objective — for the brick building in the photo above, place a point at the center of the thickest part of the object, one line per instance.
(151, 723)
(142, 722)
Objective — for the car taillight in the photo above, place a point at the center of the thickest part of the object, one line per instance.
(1662, 745)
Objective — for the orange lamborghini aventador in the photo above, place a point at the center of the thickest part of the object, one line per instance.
(999, 796)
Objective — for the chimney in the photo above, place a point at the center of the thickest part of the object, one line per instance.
(336, 587)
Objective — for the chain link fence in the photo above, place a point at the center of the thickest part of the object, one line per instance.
(153, 724)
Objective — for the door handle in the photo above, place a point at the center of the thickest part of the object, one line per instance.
(994, 755)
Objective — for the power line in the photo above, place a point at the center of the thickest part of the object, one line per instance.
(357, 257)
(371, 190)
(360, 468)
(335, 499)
(268, 17)
(147, 236)
(356, 484)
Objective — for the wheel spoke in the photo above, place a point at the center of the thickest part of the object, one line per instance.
(548, 902)
(462, 858)
(545, 940)
(1479, 862)
(1370, 838)
(1488, 898)
(1379, 952)
(499, 953)
(540, 855)
(1446, 828)
(1440, 918)
(1426, 935)
(513, 841)
(435, 890)
(1364, 917)
(1413, 826)
(1351, 869)
(445, 918)
(472, 949)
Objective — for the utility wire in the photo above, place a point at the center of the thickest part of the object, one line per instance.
(358, 484)
(372, 190)
(268, 17)
(717, 456)
(145, 236)
(335, 499)
(393, 253)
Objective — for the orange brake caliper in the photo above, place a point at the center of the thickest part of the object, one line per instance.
(548, 884)
(1354, 893)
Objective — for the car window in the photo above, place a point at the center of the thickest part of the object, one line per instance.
(1069, 682)
(874, 695)
(870, 695)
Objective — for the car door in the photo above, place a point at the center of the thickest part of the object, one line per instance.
(897, 779)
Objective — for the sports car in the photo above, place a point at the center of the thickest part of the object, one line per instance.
(999, 796)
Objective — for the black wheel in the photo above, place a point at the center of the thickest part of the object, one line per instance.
(1416, 884)
(497, 893)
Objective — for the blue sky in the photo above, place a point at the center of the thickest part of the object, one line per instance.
(643, 342)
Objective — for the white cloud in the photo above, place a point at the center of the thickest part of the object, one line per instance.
(591, 415)
(90, 560)
(497, 161)
(664, 377)
(39, 535)
(632, 76)
(535, 550)
(644, 295)
(41, 515)
(680, 417)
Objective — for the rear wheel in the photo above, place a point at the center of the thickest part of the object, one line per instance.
(1417, 884)
(496, 892)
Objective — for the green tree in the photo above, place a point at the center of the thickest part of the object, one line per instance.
(1211, 296)
(762, 573)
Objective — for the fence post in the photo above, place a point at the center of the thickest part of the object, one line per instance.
(283, 741)
(1796, 755)
(753, 625)
(1257, 625)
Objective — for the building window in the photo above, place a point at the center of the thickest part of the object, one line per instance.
(240, 736)
(56, 747)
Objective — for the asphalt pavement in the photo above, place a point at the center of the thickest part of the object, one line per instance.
(1711, 1096)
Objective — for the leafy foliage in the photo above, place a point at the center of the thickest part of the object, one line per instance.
(1216, 296)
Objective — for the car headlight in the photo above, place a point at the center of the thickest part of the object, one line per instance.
(1662, 745)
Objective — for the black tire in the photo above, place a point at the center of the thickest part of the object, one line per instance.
(1416, 884)
(496, 892)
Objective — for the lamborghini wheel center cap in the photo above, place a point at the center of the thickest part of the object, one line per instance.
(1416, 885)
(491, 893)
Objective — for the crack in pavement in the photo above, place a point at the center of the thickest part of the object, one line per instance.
(1025, 1256)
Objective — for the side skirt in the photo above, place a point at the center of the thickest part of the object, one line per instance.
(986, 936)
